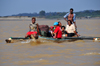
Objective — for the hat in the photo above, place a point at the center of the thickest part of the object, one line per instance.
(51, 27)
(56, 23)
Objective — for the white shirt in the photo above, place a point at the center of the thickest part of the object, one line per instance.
(70, 29)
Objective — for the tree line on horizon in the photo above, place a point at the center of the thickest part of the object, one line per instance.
(53, 15)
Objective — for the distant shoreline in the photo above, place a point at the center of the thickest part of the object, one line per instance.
(29, 18)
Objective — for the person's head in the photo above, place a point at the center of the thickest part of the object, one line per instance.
(59, 24)
(71, 10)
(33, 20)
(62, 28)
(55, 24)
(69, 22)
(51, 27)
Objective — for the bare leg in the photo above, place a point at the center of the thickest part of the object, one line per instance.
(34, 36)
(26, 35)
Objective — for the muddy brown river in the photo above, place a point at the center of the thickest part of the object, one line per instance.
(46, 52)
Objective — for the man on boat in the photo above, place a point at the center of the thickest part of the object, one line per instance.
(71, 16)
(34, 29)
(57, 31)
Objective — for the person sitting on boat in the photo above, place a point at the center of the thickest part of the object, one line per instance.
(57, 31)
(64, 33)
(70, 29)
(34, 29)
(59, 24)
(51, 31)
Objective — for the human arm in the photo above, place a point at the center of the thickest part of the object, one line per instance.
(55, 32)
(75, 30)
(76, 33)
(66, 17)
(38, 29)
(54, 35)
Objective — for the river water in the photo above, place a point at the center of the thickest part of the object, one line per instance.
(46, 52)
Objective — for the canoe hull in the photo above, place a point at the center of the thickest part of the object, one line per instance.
(9, 40)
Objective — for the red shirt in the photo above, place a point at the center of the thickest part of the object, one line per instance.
(58, 32)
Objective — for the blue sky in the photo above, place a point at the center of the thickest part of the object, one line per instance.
(10, 7)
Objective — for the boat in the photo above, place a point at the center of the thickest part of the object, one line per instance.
(9, 40)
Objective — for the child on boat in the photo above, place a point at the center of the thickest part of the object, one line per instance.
(34, 29)
(51, 31)
(64, 33)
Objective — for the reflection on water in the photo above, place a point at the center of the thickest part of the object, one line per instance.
(44, 52)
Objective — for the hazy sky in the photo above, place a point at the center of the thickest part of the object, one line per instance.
(10, 7)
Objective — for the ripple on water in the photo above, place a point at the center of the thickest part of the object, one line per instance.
(44, 55)
(91, 53)
(38, 62)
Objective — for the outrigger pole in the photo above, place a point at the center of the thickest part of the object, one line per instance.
(83, 38)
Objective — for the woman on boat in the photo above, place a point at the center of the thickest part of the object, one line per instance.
(70, 29)
(34, 29)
